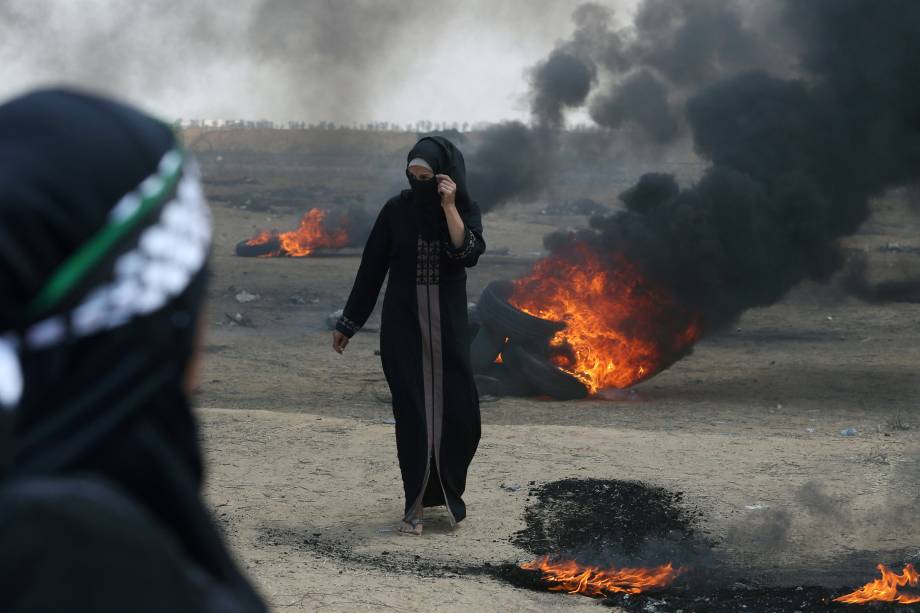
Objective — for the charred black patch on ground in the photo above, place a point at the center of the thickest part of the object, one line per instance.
(597, 517)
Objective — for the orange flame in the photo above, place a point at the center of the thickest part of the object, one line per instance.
(311, 234)
(886, 588)
(499, 359)
(261, 238)
(620, 328)
(576, 578)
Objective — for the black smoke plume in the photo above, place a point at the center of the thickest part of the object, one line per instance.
(794, 161)
(563, 80)
(641, 98)
(646, 70)
(632, 77)
(511, 162)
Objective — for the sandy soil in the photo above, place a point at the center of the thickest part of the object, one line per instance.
(302, 460)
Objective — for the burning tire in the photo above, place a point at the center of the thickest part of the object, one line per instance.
(245, 250)
(544, 376)
(507, 321)
(513, 382)
(488, 386)
(486, 346)
(502, 381)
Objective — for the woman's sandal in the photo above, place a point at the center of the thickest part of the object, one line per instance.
(412, 527)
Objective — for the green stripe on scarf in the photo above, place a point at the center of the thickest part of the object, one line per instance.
(77, 266)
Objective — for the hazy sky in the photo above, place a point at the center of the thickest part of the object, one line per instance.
(311, 60)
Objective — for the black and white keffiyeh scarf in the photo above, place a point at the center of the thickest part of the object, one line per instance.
(104, 242)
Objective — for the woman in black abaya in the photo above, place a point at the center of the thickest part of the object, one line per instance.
(104, 238)
(425, 238)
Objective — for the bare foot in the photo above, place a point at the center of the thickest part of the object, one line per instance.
(411, 527)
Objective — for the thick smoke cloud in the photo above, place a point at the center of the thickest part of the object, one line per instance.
(690, 42)
(339, 61)
(512, 162)
(100, 47)
(308, 58)
(638, 77)
(563, 80)
(641, 98)
(794, 162)
(322, 49)
(646, 70)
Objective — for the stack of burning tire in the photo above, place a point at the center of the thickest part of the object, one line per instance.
(511, 352)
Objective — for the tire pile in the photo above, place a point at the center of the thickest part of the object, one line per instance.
(522, 341)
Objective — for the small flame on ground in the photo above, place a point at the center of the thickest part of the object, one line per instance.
(311, 234)
(886, 588)
(576, 578)
(620, 327)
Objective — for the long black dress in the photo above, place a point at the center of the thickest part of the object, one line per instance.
(424, 339)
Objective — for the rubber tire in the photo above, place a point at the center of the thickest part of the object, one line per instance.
(507, 321)
(473, 322)
(253, 251)
(543, 375)
(489, 386)
(485, 348)
(513, 382)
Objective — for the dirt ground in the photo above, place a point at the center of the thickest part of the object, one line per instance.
(301, 453)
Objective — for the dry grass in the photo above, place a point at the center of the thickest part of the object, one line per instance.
(876, 455)
(896, 423)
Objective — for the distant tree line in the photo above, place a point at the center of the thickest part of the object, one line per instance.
(419, 127)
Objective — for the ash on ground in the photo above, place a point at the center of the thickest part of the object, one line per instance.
(595, 520)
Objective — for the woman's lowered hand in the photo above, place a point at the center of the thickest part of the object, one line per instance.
(339, 341)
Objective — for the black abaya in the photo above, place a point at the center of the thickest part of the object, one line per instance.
(424, 342)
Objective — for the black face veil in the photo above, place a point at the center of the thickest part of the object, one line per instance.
(444, 158)
(104, 238)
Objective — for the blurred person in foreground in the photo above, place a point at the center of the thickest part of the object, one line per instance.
(104, 241)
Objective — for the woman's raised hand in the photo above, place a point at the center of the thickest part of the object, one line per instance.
(448, 190)
(339, 341)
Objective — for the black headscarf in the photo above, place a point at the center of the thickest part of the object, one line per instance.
(444, 158)
(104, 236)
